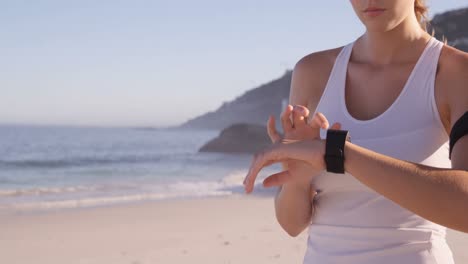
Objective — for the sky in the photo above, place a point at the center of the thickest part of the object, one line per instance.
(155, 63)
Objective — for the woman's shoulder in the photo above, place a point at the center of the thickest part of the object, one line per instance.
(319, 61)
(452, 76)
(311, 73)
(453, 62)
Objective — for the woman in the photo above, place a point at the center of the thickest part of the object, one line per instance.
(399, 92)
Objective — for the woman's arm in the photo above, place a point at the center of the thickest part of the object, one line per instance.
(294, 200)
(293, 207)
(439, 195)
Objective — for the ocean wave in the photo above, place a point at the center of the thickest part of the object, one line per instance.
(46, 191)
(99, 195)
(190, 187)
(100, 201)
(62, 163)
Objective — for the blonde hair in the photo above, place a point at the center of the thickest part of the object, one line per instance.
(421, 10)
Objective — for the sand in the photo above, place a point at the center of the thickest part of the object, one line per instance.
(236, 229)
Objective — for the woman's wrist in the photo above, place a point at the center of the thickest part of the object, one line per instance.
(321, 145)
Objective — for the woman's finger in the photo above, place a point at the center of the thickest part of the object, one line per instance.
(300, 114)
(319, 121)
(336, 126)
(277, 179)
(271, 129)
(275, 153)
(286, 120)
(268, 156)
(309, 151)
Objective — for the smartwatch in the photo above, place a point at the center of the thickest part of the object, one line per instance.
(334, 150)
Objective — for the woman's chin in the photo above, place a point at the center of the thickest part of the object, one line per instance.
(378, 26)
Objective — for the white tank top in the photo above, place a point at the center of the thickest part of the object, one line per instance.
(354, 224)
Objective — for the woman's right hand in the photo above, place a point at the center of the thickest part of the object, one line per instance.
(298, 126)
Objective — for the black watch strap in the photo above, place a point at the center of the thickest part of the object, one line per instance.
(334, 150)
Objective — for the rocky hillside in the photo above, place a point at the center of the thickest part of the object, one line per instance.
(239, 138)
(255, 105)
(454, 26)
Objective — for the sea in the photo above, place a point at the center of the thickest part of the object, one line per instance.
(51, 167)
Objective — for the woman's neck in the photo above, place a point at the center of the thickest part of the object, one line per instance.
(393, 46)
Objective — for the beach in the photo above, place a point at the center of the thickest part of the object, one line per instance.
(232, 229)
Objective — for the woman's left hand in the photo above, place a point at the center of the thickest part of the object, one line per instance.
(310, 151)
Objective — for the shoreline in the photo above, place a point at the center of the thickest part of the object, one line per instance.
(110, 200)
(33, 211)
(231, 229)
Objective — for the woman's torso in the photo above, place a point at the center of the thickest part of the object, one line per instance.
(352, 223)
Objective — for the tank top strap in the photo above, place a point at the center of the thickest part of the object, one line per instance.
(339, 68)
(425, 69)
(431, 76)
(343, 60)
(332, 88)
(433, 57)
